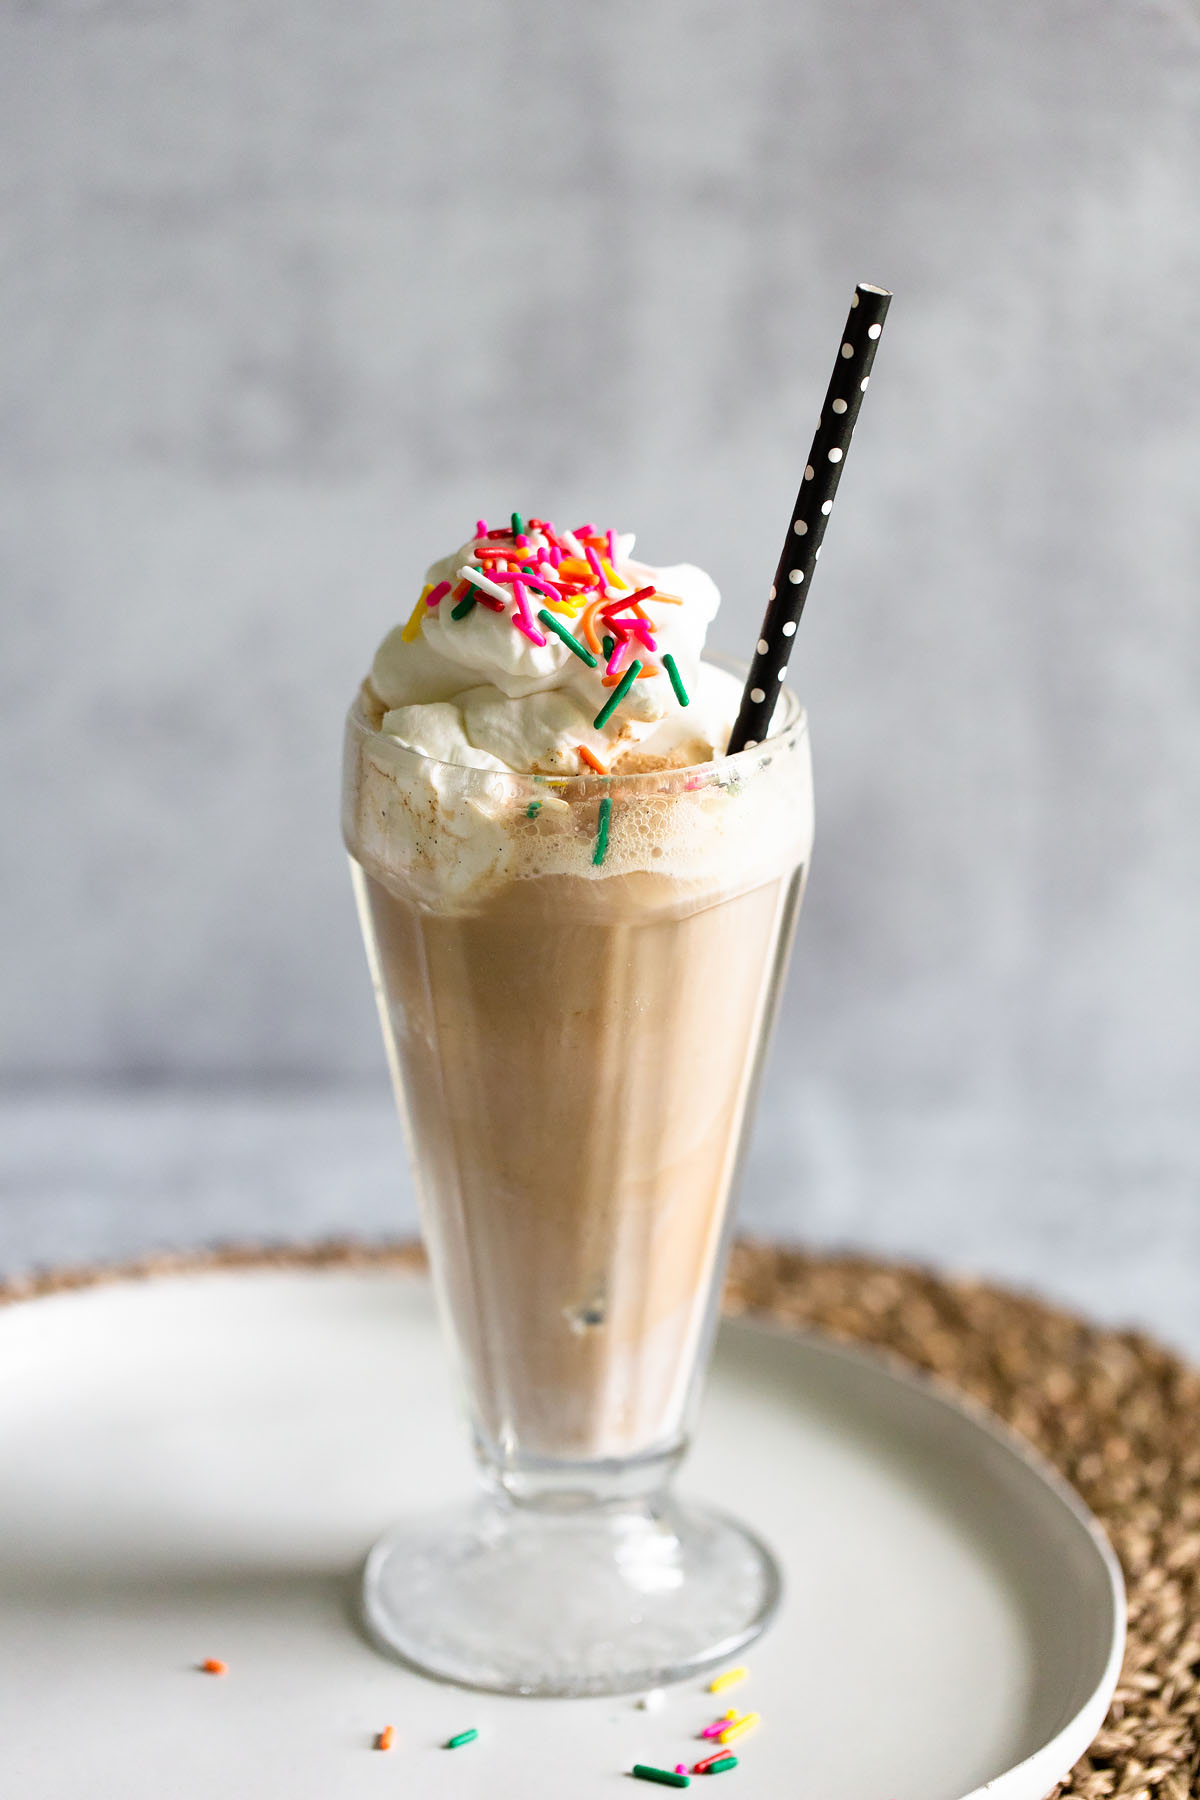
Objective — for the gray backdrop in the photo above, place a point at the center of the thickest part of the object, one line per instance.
(293, 291)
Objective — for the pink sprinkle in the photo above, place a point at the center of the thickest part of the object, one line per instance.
(438, 594)
(681, 1768)
(641, 630)
(514, 576)
(523, 618)
(582, 531)
(612, 557)
(614, 661)
(594, 561)
(718, 1725)
(522, 541)
(556, 556)
(480, 528)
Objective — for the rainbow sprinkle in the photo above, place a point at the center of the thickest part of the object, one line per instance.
(618, 694)
(681, 695)
(601, 850)
(548, 619)
(572, 578)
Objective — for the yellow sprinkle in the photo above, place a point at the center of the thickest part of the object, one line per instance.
(415, 617)
(728, 1679)
(747, 1722)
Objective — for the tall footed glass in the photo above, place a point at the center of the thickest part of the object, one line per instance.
(576, 979)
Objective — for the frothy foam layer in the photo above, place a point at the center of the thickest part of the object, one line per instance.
(448, 835)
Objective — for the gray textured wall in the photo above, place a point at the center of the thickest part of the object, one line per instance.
(292, 290)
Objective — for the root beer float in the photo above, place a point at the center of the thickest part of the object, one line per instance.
(577, 910)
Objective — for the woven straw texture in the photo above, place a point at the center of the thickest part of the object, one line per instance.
(1114, 1411)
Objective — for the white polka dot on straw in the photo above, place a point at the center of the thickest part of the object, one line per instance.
(800, 527)
(835, 454)
(795, 576)
(847, 350)
(763, 646)
(873, 331)
(789, 628)
(757, 695)
(839, 406)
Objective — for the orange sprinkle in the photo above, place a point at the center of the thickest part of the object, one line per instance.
(591, 761)
(587, 624)
(643, 674)
(386, 1738)
(214, 1666)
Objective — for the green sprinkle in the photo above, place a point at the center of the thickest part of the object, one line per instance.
(463, 1737)
(618, 694)
(465, 604)
(518, 527)
(533, 809)
(676, 679)
(548, 619)
(718, 1768)
(607, 644)
(601, 850)
(668, 1777)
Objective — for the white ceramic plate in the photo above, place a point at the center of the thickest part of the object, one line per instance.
(193, 1467)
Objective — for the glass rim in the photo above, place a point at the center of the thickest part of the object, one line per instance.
(587, 782)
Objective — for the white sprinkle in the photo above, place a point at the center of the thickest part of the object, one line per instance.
(862, 386)
(809, 472)
(800, 527)
(471, 574)
(835, 454)
(873, 331)
(795, 576)
(763, 646)
(839, 406)
(847, 349)
(827, 506)
(782, 673)
(789, 629)
(652, 1701)
(757, 695)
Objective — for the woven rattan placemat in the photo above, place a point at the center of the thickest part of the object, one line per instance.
(1114, 1411)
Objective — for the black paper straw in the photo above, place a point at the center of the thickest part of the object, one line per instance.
(814, 503)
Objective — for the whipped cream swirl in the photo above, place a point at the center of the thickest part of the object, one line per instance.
(480, 676)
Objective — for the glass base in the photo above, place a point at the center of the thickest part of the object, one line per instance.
(606, 1599)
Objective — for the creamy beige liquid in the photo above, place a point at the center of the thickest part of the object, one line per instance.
(577, 1057)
